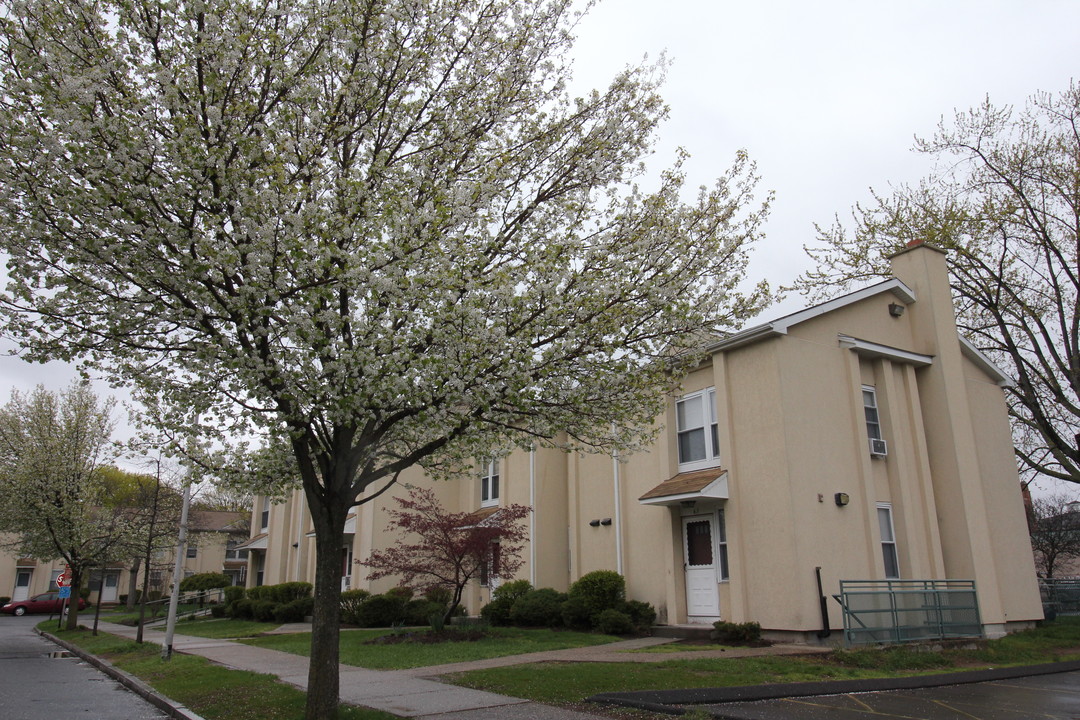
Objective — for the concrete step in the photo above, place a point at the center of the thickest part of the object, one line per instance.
(683, 632)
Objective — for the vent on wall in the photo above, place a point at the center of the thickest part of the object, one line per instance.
(878, 448)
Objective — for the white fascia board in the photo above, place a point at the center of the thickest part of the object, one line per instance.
(780, 326)
(877, 350)
(985, 364)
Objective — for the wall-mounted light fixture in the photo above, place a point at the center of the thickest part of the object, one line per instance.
(841, 499)
(605, 521)
(896, 309)
(296, 545)
(594, 523)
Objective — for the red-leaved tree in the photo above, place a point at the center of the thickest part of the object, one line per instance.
(437, 548)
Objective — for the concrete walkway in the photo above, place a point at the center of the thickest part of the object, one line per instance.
(402, 693)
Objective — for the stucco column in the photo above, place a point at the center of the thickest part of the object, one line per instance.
(952, 450)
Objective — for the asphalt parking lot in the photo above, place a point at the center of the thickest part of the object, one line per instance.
(1045, 697)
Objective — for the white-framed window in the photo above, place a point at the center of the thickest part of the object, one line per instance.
(888, 541)
(721, 546)
(489, 482)
(696, 430)
(265, 513)
(192, 551)
(870, 408)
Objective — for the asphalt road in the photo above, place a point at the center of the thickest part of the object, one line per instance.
(37, 683)
(1045, 697)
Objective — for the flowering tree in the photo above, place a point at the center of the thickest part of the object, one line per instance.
(55, 498)
(381, 231)
(436, 548)
(1005, 204)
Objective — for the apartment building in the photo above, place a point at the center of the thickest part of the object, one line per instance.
(859, 439)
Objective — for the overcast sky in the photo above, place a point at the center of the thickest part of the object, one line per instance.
(825, 96)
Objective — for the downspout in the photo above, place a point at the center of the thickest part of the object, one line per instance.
(825, 630)
(618, 514)
(532, 517)
(298, 518)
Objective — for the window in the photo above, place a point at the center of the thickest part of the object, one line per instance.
(489, 483)
(231, 553)
(265, 513)
(721, 545)
(192, 551)
(873, 422)
(697, 430)
(888, 541)
(878, 448)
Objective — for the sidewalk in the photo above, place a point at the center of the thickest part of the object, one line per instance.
(402, 693)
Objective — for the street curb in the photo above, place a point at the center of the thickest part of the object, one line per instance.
(173, 709)
(664, 701)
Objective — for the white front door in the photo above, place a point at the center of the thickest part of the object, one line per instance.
(109, 590)
(702, 591)
(22, 585)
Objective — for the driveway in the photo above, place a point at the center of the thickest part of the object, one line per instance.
(1047, 697)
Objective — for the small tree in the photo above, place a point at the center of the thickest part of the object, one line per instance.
(1055, 533)
(55, 500)
(438, 548)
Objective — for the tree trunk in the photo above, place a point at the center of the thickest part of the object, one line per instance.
(323, 679)
(73, 601)
(133, 584)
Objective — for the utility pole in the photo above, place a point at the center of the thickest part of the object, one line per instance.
(174, 600)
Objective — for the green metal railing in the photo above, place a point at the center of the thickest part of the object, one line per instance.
(1060, 595)
(903, 611)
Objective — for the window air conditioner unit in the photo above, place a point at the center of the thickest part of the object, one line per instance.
(878, 448)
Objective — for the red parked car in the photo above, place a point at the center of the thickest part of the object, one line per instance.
(49, 602)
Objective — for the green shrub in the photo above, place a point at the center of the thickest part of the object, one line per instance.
(351, 600)
(241, 609)
(538, 608)
(261, 592)
(233, 593)
(285, 593)
(576, 614)
(729, 633)
(439, 594)
(381, 611)
(263, 610)
(613, 622)
(512, 590)
(642, 614)
(294, 611)
(403, 593)
(419, 612)
(204, 581)
(497, 612)
(217, 611)
(598, 591)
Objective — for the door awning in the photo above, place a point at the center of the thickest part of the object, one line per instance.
(709, 484)
(258, 542)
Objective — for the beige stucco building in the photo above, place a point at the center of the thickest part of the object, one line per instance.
(860, 439)
(214, 538)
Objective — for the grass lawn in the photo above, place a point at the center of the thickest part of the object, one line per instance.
(572, 682)
(499, 643)
(224, 628)
(214, 692)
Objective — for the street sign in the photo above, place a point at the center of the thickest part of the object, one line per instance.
(65, 592)
(62, 580)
